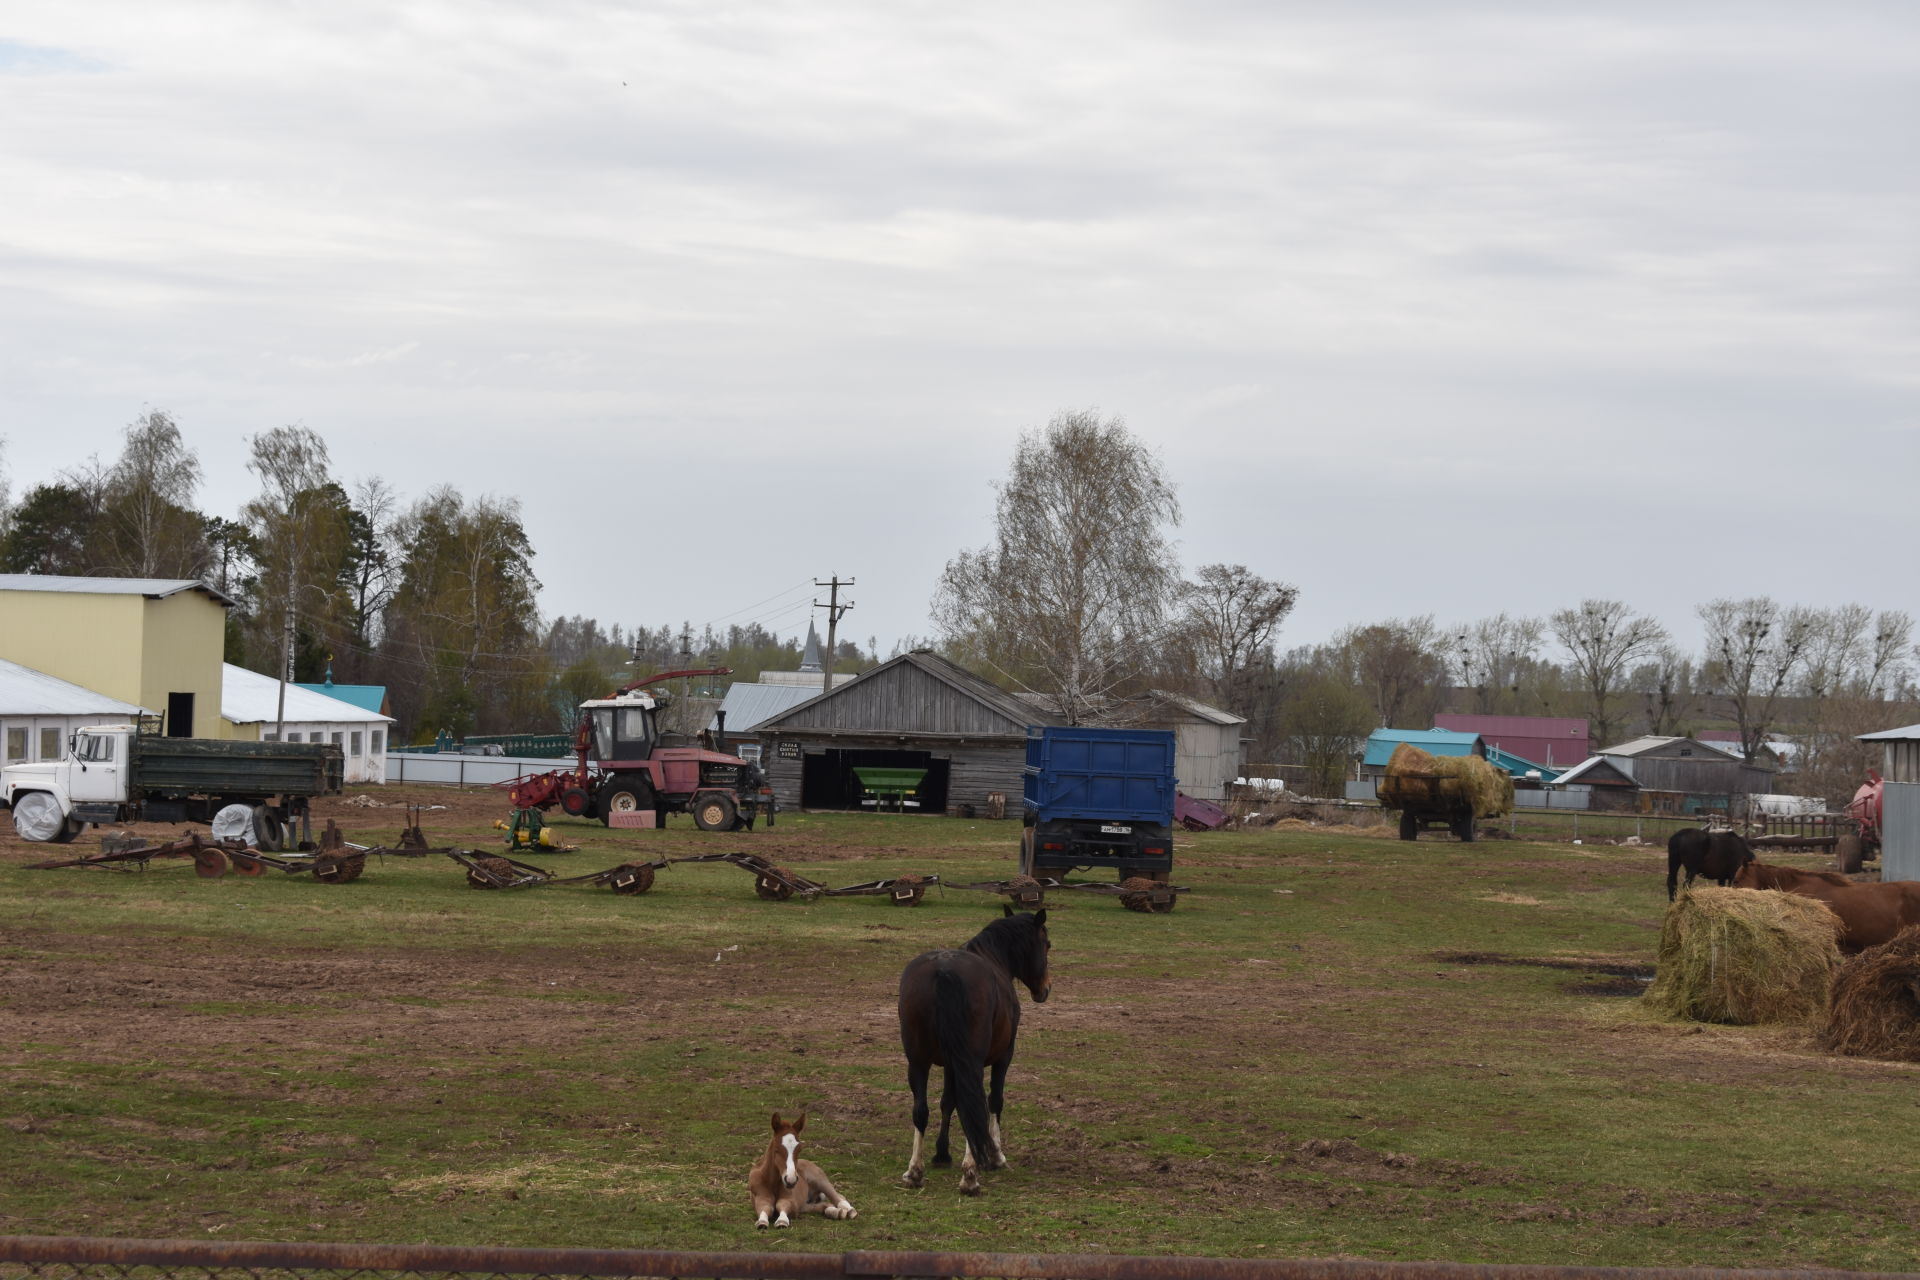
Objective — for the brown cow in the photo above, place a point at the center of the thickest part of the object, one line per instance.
(1869, 913)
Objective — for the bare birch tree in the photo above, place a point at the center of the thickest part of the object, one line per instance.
(1071, 598)
(1230, 615)
(1490, 657)
(1603, 639)
(1399, 666)
(296, 523)
(1755, 649)
(151, 526)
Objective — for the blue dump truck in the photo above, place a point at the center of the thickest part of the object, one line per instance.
(1098, 798)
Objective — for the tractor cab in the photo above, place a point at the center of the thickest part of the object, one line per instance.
(623, 727)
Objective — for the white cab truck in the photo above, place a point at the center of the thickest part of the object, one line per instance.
(115, 773)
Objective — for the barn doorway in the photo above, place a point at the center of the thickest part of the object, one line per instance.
(828, 781)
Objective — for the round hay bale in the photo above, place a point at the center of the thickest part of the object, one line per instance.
(1874, 1011)
(1026, 891)
(1135, 891)
(1744, 956)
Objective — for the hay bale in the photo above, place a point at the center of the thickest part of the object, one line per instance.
(1424, 782)
(1874, 1011)
(1744, 956)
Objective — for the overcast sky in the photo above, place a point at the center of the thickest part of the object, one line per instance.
(1429, 307)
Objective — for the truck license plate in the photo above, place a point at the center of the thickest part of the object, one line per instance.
(1113, 829)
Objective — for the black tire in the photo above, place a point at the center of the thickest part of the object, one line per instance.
(625, 793)
(1409, 827)
(71, 828)
(1466, 831)
(576, 803)
(269, 836)
(714, 811)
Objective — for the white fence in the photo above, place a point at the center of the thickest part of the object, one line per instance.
(451, 770)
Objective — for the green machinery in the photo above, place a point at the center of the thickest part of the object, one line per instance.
(890, 788)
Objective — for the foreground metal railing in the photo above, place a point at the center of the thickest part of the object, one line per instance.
(59, 1257)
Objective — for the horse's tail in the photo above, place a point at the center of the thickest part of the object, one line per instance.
(1673, 871)
(966, 1062)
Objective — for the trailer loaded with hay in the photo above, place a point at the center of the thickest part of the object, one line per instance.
(1450, 792)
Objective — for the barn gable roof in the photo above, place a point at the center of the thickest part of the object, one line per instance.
(27, 692)
(915, 693)
(152, 588)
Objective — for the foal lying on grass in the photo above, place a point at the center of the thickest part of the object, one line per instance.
(788, 1186)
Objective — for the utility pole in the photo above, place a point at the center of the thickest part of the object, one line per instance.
(834, 609)
(686, 682)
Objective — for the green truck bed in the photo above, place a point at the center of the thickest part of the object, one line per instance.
(211, 766)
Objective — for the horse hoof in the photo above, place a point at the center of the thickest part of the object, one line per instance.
(970, 1188)
(912, 1178)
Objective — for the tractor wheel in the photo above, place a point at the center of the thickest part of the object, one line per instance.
(714, 811)
(634, 878)
(576, 803)
(1409, 826)
(625, 793)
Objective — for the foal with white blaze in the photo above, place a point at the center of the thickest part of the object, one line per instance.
(785, 1185)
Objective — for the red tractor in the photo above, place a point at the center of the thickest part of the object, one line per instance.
(633, 773)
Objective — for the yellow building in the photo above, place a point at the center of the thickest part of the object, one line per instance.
(155, 642)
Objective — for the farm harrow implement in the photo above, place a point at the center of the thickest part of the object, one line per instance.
(333, 861)
(1136, 893)
(775, 883)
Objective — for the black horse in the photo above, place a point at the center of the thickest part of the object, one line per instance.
(958, 1010)
(1717, 855)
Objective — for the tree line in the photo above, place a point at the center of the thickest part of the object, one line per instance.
(434, 597)
(1080, 600)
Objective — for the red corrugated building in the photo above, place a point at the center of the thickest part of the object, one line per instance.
(1555, 741)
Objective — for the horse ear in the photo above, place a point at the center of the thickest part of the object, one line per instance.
(1005, 910)
(776, 1122)
(1040, 917)
(801, 1123)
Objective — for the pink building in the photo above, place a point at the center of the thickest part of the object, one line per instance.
(1554, 741)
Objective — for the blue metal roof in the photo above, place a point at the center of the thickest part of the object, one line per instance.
(1439, 742)
(367, 697)
(1519, 767)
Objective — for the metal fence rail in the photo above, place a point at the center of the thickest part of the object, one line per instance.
(57, 1257)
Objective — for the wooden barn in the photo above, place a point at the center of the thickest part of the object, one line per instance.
(918, 711)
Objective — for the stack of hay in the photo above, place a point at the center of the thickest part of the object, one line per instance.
(1875, 1010)
(1743, 956)
(1416, 778)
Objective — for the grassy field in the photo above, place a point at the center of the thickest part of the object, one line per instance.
(1336, 1046)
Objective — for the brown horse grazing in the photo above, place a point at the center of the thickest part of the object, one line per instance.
(1869, 913)
(958, 1010)
(783, 1183)
(1713, 854)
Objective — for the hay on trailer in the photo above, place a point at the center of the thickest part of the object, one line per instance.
(1744, 956)
(1424, 782)
(1874, 1011)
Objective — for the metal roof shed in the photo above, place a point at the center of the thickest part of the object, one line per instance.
(1899, 802)
(38, 712)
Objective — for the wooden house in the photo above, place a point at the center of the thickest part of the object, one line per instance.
(917, 711)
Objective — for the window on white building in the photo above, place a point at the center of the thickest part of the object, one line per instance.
(353, 744)
(50, 744)
(269, 737)
(16, 743)
(379, 741)
(336, 737)
(293, 737)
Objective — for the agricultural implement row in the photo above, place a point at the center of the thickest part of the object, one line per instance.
(336, 863)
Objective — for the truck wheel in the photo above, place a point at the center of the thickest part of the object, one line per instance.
(625, 794)
(714, 812)
(1409, 827)
(1466, 831)
(37, 817)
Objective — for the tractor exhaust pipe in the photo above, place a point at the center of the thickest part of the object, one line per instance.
(720, 732)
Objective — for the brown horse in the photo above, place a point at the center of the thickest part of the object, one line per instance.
(783, 1183)
(1869, 913)
(958, 1010)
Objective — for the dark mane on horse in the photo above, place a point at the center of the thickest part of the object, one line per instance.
(1011, 941)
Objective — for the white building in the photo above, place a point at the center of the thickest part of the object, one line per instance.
(38, 713)
(249, 700)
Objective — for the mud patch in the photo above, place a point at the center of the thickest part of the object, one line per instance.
(1640, 973)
